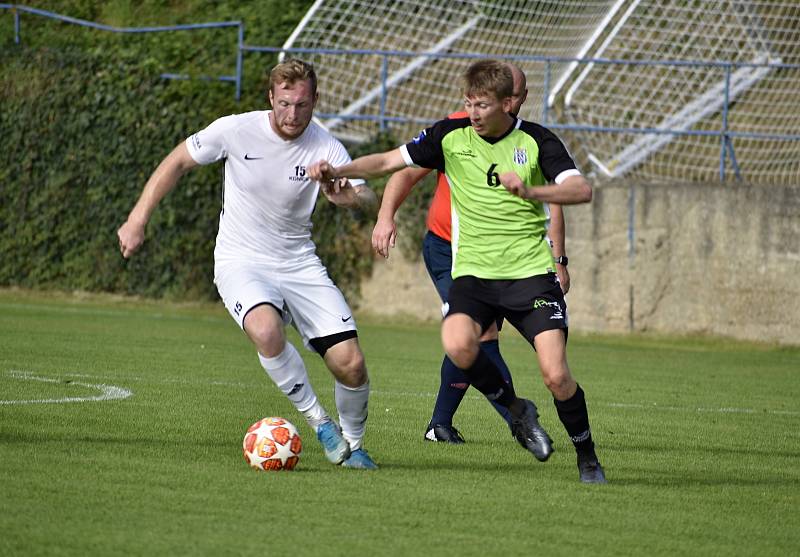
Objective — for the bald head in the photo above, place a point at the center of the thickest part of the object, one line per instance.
(520, 88)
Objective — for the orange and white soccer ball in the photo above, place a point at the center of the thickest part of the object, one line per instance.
(272, 444)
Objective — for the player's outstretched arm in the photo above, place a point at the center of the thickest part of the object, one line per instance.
(368, 166)
(397, 189)
(572, 191)
(161, 182)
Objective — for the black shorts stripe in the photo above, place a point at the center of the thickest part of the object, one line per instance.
(323, 344)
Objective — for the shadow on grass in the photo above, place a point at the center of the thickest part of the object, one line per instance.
(644, 477)
(684, 451)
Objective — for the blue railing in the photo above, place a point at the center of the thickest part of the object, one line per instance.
(16, 10)
(724, 133)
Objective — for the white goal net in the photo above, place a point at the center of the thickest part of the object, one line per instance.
(755, 36)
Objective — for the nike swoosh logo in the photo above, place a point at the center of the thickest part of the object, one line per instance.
(247, 157)
(346, 319)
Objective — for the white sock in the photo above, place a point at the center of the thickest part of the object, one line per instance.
(289, 373)
(352, 406)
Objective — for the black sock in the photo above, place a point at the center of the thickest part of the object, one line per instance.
(575, 417)
(486, 377)
(492, 349)
(452, 388)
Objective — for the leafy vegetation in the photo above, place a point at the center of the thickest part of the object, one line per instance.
(86, 118)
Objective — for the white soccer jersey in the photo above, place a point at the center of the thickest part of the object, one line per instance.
(268, 197)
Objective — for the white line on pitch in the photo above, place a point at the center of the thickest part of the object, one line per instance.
(107, 392)
(417, 394)
(655, 406)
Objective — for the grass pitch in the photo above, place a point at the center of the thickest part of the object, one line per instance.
(699, 438)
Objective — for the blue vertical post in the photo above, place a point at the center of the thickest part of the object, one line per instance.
(631, 254)
(16, 25)
(546, 93)
(384, 91)
(632, 223)
(734, 162)
(239, 54)
(724, 136)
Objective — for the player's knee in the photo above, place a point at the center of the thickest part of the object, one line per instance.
(559, 382)
(461, 351)
(356, 365)
(348, 365)
(269, 341)
(460, 335)
(353, 371)
(463, 360)
(264, 328)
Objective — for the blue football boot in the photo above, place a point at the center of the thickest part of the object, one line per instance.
(360, 459)
(337, 450)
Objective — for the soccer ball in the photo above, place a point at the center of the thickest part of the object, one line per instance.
(272, 444)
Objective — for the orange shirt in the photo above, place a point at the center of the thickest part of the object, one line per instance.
(439, 211)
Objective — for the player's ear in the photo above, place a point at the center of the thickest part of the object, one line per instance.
(269, 96)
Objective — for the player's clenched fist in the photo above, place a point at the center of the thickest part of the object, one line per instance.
(322, 171)
(131, 237)
(514, 184)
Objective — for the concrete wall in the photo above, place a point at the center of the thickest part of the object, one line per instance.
(722, 259)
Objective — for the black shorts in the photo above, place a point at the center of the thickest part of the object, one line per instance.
(531, 305)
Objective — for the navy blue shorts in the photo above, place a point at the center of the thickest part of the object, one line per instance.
(438, 257)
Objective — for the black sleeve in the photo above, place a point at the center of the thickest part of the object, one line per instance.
(553, 155)
(425, 150)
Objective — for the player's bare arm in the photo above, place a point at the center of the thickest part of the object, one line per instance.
(342, 193)
(557, 234)
(161, 182)
(572, 191)
(397, 189)
(368, 166)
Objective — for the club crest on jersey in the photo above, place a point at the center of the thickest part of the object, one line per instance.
(520, 155)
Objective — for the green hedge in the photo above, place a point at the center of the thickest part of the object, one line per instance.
(79, 138)
(80, 135)
(85, 121)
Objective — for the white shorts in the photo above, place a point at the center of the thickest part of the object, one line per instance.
(305, 294)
